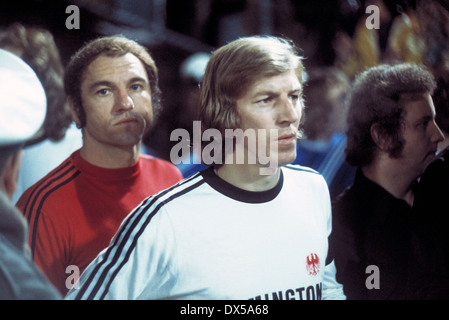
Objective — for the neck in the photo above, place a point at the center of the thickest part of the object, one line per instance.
(248, 177)
(110, 157)
(393, 180)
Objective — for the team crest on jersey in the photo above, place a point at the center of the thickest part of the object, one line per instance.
(313, 264)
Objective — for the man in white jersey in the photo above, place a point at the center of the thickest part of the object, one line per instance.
(250, 227)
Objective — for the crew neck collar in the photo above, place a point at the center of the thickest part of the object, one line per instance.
(239, 194)
(104, 173)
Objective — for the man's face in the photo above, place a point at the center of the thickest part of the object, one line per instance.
(273, 103)
(116, 97)
(420, 132)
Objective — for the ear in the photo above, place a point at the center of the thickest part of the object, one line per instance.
(12, 172)
(379, 137)
(74, 112)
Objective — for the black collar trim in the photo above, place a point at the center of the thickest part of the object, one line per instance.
(238, 194)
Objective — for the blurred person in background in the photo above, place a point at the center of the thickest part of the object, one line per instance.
(191, 73)
(366, 47)
(58, 137)
(415, 31)
(420, 34)
(22, 112)
(324, 126)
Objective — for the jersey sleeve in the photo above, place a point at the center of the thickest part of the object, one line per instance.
(47, 239)
(48, 243)
(138, 264)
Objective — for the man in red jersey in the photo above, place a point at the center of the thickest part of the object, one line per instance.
(73, 212)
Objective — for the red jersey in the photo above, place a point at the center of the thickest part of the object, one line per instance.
(74, 211)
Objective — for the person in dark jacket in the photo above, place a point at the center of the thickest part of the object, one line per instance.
(381, 246)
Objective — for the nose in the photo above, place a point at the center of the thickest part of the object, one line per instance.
(290, 111)
(438, 134)
(123, 101)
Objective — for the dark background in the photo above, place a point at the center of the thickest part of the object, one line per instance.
(174, 29)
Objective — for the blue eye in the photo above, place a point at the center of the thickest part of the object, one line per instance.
(103, 92)
(265, 101)
(136, 87)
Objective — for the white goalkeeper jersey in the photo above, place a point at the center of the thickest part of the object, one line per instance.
(204, 238)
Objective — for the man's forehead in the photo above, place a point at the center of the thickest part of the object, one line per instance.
(101, 66)
(274, 82)
(417, 106)
(407, 99)
(414, 96)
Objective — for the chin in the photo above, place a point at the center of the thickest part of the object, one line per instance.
(282, 161)
(286, 156)
(128, 140)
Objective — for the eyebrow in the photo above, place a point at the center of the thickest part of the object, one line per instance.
(424, 118)
(106, 83)
(270, 92)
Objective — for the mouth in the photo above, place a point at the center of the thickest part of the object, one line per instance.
(126, 121)
(287, 139)
(433, 153)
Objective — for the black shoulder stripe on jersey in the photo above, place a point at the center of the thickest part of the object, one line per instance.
(127, 229)
(38, 186)
(141, 230)
(138, 211)
(33, 226)
(122, 238)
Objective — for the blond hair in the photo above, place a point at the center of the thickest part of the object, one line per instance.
(233, 68)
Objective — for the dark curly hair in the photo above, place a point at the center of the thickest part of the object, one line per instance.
(375, 99)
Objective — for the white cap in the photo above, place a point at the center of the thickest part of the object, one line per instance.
(23, 103)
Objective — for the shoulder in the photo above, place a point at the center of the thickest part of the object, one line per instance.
(307, 181)
(302, 169)
(155, 209)
(347, 198)
(53, 182)
(307, 174)
(347, 206)
(170, 196)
